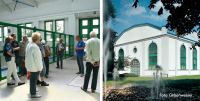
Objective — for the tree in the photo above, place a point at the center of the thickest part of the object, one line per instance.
(109, 36)
(184, 15)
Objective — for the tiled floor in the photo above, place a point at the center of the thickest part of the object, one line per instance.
(64, 86)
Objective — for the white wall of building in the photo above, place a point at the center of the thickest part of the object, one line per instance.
(168, 52)
(141, 32)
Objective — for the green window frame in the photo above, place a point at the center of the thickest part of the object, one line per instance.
(49, 36)
(1, 34)
(183, 57)
(26, 32)
(86, 25)
(57, 27)
(194, 59)
(121, 59)
(152, 56)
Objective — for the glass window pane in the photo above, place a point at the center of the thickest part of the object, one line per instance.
(49, 40)
(84, 31)
(5, 31)
(29, 25)
(0, 32)
(96, 30)
(95, 22)
(84, 22)
(60, 26)
(49, 26)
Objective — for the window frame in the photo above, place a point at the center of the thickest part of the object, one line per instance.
(152, 55)
(183, 57)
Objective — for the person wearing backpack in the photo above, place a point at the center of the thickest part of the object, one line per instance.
(60, 49)
(8, 52)
(46, 58)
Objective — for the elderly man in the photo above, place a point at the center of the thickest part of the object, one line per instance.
(60, 49)
(33, 61)
(92, 64)
(22, 51)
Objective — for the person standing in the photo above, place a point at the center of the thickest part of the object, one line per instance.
(92, 61)
(80, 54)
(60, 48)
(33, 62)
(46, 57)
(22, 52)
(43, 72)
(15, 44)
(8, 52)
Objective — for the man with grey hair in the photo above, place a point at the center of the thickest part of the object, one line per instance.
(22, 52)
(93, 59)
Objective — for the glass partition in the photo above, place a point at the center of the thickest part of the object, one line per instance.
(51, 38)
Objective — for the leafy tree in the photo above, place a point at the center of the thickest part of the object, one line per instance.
(184, 15)
(109, 36)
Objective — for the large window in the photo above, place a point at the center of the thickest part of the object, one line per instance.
(48, 25)
(49, 37)
(183, 57)
(152, 56)
(60, 26)
(194, 59)
(1, 34)
(87, 25)
(121, 59)
(26, 32)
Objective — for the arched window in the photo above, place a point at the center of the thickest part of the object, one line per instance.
(194, 59)
(121, 59)
(183, 58)
(152, 56)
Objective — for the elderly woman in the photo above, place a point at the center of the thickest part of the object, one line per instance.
(10, 60)
(33, 62)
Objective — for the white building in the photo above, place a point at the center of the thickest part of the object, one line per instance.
(149, 45)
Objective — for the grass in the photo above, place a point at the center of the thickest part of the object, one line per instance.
(147, 80)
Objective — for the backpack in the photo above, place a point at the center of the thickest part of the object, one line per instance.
(47, 51)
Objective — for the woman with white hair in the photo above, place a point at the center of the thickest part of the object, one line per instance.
(33, 62)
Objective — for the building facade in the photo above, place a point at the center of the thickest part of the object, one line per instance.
(148, 45)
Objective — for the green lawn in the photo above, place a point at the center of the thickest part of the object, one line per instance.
(146, 80)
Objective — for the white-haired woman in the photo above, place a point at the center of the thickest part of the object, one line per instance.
(33, 62)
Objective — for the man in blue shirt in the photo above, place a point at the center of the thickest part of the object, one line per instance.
(80, 54)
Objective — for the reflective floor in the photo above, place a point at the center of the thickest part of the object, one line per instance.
(64, 86)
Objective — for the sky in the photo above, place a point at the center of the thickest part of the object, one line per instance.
(127, 16)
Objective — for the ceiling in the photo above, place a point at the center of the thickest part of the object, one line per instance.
(9, 5)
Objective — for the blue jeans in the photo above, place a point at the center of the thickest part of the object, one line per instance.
(80, 64)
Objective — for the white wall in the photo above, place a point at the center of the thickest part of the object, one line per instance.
(70, 10)
(138, 33)
(168, 53)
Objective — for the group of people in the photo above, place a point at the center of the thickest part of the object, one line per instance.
(33, 60)
(90, 50)
(25, 55)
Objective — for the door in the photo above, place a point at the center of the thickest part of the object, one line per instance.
(135, 67)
